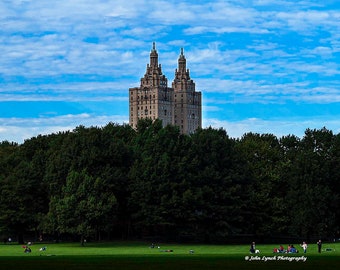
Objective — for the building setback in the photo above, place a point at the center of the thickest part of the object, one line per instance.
(180, 105)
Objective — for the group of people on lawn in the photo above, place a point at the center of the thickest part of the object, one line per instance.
(290, 248)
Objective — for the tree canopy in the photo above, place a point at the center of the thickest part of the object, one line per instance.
(116, 182)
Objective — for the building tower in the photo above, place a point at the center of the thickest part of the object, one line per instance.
(179, 105)
(187, 102)
(152, 99)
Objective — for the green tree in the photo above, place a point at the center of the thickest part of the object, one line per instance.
(151, 173)
(23, 198)
(265, 207)
(84, 207)
(104, 153)
(211, 195)
(310, 198)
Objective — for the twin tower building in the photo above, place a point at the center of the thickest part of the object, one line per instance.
(180, 105)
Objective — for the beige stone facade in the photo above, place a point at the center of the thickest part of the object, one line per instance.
(180, 105)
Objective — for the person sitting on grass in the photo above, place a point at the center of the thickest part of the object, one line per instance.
(281, 249)
(293, 249)
(43, 249)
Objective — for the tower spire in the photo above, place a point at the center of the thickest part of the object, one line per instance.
(182, 81)
(154, 56)
(182, 62)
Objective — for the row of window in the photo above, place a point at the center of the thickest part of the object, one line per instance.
(165, 112)
(165, 97)
(147, 112)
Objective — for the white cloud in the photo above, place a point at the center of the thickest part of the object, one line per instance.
(20, 129)
(246, 91)
(222, 30)
(278, 128)
(78, 91)
(309, 21)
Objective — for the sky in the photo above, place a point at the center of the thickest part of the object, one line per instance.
(262, 66)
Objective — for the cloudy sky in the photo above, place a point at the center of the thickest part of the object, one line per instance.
(265, 66)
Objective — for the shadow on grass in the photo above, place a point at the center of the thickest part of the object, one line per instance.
(160, 262)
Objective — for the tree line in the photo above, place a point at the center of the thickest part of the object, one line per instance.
(117, 182)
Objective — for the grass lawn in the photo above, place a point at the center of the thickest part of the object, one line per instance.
(135, 255)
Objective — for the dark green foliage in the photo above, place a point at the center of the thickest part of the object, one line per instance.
(262, 158)
(84, 207)
(311, 197)
(155, 182)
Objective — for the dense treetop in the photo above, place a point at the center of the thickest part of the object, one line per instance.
(110, 182)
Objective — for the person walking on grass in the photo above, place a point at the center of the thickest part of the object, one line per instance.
(252, 247)
(319, 243)
(304, 247)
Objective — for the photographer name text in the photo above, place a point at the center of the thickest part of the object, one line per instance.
(276, 258)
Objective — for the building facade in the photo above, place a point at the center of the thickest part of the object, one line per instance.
(179, 105)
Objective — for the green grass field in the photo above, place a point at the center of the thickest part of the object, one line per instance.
(135, 255)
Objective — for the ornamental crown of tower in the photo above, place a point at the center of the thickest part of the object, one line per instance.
(153, 75)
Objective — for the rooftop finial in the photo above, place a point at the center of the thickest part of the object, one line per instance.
(182, 51)
(153, 46)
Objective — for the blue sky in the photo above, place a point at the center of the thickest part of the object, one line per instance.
(262, 66)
